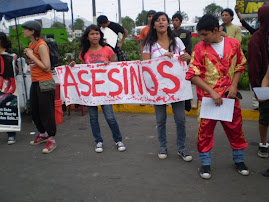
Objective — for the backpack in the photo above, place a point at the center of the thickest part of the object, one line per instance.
(54, 52)
(6, 67)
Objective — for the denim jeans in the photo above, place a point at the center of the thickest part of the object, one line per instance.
(179, 117)
(111, 120)
(11, 134)
(238, 157)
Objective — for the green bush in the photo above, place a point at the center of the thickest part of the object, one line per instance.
(195, 40)
(244, 80)
(131, 49)
(69, 47)
(244, 44)
(15, 46)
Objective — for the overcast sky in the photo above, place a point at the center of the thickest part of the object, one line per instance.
(131, 8)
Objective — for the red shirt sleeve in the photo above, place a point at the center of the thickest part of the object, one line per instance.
(195, 64)
(110, 52)
(144, 33)
(241, 59)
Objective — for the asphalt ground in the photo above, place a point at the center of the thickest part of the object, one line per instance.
(74, 172)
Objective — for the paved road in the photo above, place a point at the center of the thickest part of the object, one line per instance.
(74, 172)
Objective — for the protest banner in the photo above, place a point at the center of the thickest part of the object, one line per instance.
(249, 8)
(156, 81)
(10, 118)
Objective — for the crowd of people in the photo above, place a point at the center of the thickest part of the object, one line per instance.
(215, 66)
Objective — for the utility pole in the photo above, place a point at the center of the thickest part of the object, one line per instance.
(179, 5)
(64, 19)
(143, 5)
(72, 17)
(119, 7)
(164, 6)
(94, 12)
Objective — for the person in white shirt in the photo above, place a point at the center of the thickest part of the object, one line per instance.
(160, 42)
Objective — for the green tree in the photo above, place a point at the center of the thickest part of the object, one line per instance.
(141, 19)
(78, 24)
(58, 25)
(128, 24)
(196, 19)
(213, 9)
(184, 15)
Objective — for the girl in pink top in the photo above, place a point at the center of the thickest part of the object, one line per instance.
(94, 50)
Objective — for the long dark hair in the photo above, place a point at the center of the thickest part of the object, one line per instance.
(152, 34)
(4, 41)
(84, 41)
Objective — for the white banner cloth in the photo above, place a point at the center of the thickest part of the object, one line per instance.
(156, 81)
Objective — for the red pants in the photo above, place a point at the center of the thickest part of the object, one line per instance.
(233, 130)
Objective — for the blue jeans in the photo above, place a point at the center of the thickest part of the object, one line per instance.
(179, 117)
(238, 157)
(111, 120)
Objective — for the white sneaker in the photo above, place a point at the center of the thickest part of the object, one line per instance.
(162, 153)
(185, 156)
(99, 147)
(120, 146)
(11, 140)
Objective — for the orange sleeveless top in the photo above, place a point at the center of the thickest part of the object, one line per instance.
(38, 74)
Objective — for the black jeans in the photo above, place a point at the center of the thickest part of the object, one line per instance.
(43, 109)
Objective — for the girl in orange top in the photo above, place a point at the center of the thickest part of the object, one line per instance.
(43, 86)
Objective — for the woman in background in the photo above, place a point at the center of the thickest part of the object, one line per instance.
(5, 45)
(42, 92)
(228, 29)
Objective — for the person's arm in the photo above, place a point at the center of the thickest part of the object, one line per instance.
(236, 9)
(146, 53)
(201, 84)
(44, 63)
(146, 56)
(185, 57)
(125, 34)
(72, 63)
(189, 43)
(223, 31)
(248, 27)
(233, 88)
(238, 69)
(112, 58)
(238, 34)
(141, 46)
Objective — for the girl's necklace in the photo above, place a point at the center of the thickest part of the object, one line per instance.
(159, 48)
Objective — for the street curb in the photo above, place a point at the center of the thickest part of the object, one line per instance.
(247, 114)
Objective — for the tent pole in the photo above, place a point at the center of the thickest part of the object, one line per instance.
(23, 75)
